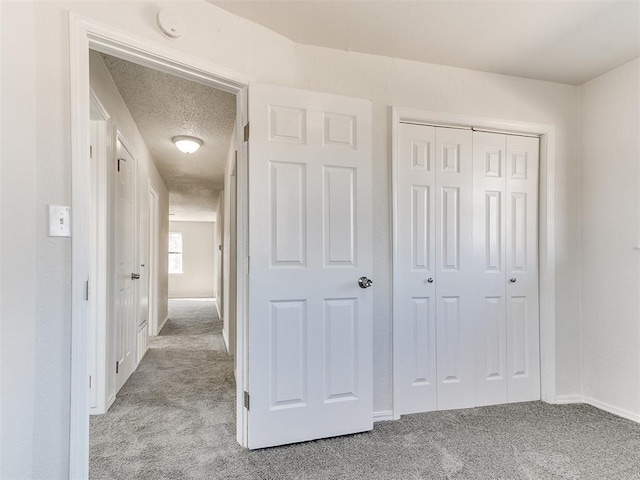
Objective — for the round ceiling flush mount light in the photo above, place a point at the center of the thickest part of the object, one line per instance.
(187, 144)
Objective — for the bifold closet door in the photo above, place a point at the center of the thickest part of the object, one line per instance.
(416, 186)
(505, 268)
(454, 269)
(489, 222)
(523, 333)
(434, 222)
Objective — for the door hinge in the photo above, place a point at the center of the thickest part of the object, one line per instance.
(121, 160)
(86, 291)
(246, 132)
(117, 367)
(90, 151)
(118, 164)
(246, 400)
(89, 381)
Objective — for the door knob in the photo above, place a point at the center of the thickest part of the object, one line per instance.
(429, 280)
(135, 276)
(512, 280)
(365, 282)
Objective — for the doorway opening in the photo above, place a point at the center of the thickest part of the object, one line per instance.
(162, 229)
(92, 254)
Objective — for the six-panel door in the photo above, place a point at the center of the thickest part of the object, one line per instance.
(310, 324)
(467, 269)
(126, 298)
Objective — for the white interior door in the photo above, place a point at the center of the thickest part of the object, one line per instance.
(142, 264)
(523, 334)
(310, 324)
(505, 240)
(454, 268)
(489, 220)
(125, 239)
(415, 269)
(466, 219)
(152, 265)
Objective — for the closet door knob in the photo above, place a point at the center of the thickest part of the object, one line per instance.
(512, 280)
(365, 282)
(429, 280)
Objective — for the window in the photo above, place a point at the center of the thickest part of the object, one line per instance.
(175, 252)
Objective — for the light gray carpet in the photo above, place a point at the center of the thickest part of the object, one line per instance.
(174, 419)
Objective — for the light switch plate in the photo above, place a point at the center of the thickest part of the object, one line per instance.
(59, 221)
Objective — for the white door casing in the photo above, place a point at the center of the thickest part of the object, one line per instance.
(126, 309)
(310, 324)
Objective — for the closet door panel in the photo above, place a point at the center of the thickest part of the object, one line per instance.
(489, 228)
(523, 351)
(416, 377)
(454, 268)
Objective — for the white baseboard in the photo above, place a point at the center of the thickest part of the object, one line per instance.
(161, 326)
(226, 340)
(568, 399)
(110, 401)
(382, 416)
(611, 409)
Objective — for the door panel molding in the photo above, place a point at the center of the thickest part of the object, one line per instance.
(310, 185)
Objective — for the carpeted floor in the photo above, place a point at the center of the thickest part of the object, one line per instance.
(174, 419)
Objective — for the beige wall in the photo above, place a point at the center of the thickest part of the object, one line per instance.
(19, 244)
(198, 256)
(611, 231)
(37, 120)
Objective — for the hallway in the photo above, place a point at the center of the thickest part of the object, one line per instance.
(175, 419)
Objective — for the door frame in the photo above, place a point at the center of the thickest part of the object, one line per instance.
(154, 235)
(100, 282)
(546, 229)
(86, 34)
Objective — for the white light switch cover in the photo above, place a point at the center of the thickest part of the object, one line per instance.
(59, 221)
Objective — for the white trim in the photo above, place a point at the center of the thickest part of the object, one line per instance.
(83, 35)
(110, 400)
(226, 340)
(215, 302)
(546, 232)
(568, 399)
(164, 322)
(154, 236)
(99, 292)
(383, 416)
(576, 399)
(634, 417)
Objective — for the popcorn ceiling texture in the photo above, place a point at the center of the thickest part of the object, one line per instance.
(164, 106)
(175, 419)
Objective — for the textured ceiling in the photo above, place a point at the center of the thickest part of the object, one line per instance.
(164, 106)
(567, 41)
